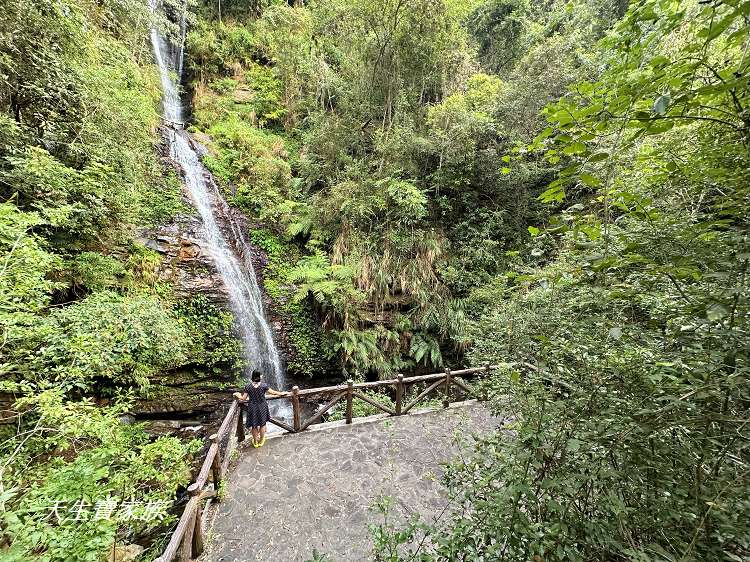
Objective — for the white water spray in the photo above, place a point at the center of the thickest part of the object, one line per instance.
(236, 272)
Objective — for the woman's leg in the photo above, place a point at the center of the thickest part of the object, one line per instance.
(256, 438)
(262, 433)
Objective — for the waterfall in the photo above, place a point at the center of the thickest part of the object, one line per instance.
(183, 31)
(235, 268)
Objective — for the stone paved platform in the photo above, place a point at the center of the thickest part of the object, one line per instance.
(313, 489)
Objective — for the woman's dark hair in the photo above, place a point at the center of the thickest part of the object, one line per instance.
(255, 377)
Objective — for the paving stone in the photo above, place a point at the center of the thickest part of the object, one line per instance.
(315, 489)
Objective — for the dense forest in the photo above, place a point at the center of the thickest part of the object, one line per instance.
(558, 187)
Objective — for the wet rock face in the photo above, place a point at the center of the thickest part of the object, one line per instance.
(185, 405)
(186, 264)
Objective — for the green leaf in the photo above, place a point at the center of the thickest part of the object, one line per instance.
(591, 181)
(716, 312)
(659, 126)
(662, 104)
(658, 61)
(598, 157)
(615, 333)
(555, 192)
(533, 231)
(546, 133)
(575, 148)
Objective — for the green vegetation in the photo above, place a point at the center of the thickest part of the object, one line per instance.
(209, 330)
(86, 321)
(375, 148)
(629, 435)
(92, 459)
(306, 355)
(558, 187)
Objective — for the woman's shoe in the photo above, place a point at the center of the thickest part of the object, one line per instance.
(256, 445)
(262, 442)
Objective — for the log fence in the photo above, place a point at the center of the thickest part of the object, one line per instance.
(186, 541)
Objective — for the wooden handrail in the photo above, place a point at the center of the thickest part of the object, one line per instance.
(187, 538)
(213, 451)
(424, 393)
(383, 383)
(323, 410)
(179, 533)
(224, 428)
(372, 402)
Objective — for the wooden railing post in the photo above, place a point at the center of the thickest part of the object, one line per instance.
(197, 544)
(240, 425)
(186, 548)
(447, 399)
(399, 393)
(295, 409)
(216, 463)
(349, 400)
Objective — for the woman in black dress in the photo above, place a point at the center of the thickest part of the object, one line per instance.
(257, 407)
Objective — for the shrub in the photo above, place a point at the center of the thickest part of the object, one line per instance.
(102, 341)
(64, 461)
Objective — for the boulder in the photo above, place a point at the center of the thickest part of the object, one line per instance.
(124, 553)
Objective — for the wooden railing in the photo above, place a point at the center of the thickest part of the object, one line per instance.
(187, 538)
(352, 390)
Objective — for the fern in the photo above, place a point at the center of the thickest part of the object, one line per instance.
(331, 287)
(426, 348)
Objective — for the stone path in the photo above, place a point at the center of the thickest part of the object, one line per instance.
(313, 489)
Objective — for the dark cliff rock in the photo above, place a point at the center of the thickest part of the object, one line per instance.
(186, 263)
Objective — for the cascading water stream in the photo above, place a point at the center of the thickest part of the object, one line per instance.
(236, 272)
(183, 31)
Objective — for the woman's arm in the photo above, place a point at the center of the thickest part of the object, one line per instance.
(240, 396)
(273, 392)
